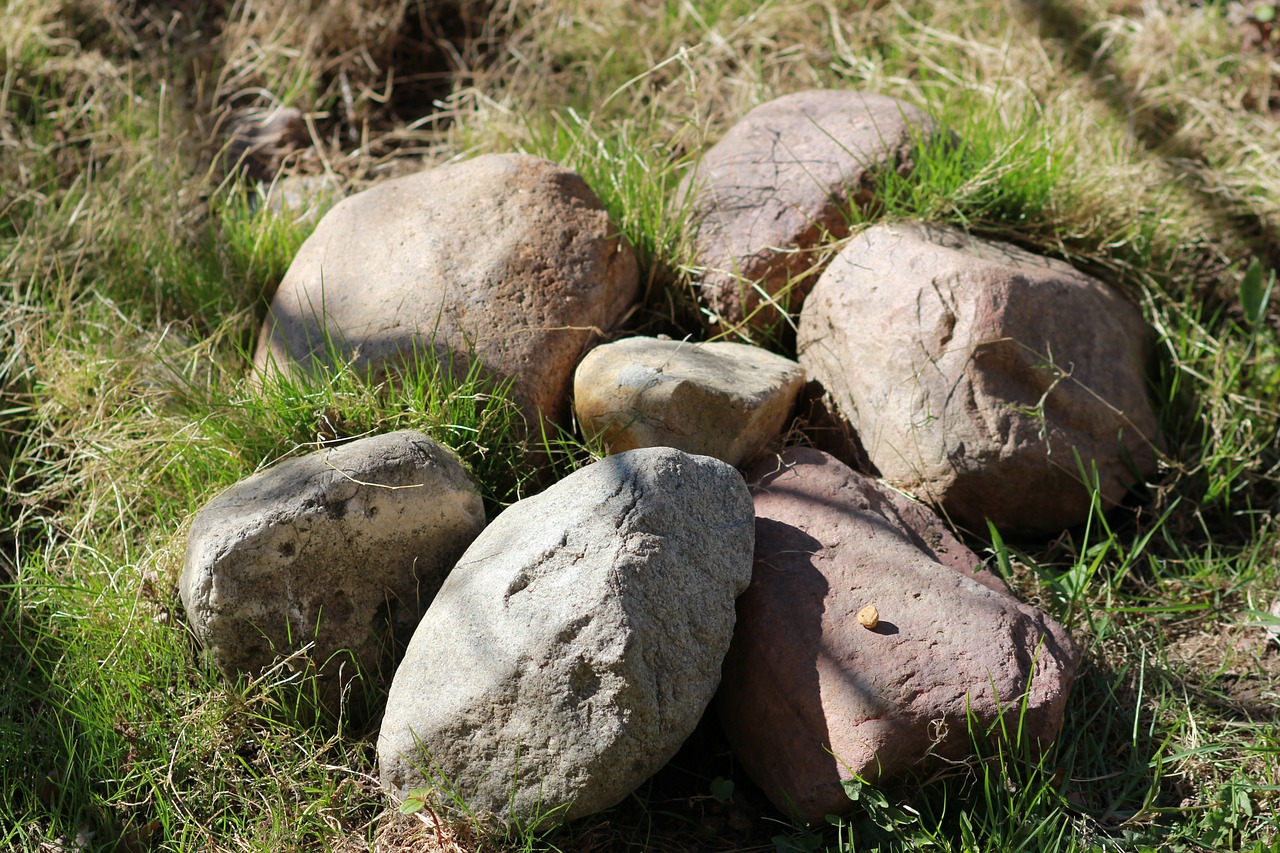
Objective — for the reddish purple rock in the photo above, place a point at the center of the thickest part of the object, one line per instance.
(779, 187)
(810, 698)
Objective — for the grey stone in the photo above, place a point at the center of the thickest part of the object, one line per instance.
(344, 547)
(578, 641)
(811, 697)
(780, 186)
(974, 372)
(721, 399)
(507, 258)
(304, 198)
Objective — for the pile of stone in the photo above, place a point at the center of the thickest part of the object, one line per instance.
(551, 661)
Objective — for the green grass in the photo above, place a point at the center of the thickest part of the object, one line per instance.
(1136, 142)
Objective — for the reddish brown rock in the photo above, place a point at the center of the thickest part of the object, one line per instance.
(810, 697)
(509, 259)
(975, 372)
(781, 183)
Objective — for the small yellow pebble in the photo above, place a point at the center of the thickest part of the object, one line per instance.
(869, 617)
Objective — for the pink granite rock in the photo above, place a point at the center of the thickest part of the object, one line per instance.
(810, 697)
(975, 373)
(781, 183)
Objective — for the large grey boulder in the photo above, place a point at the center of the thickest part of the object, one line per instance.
(812, 697)
(719, 399)
(343, 547)
(976, 372)
(577, 642)
(780, 186)
(507, 258)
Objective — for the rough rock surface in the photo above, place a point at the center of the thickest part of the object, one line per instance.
(578, 641)
(974, 371)
(506, 257)
(781, 183)
(803, 679)
(345, 546)
(720, 399)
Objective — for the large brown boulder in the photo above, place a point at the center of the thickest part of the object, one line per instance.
(975, 373)
(781, 184)
(810, 697)
(508, 259)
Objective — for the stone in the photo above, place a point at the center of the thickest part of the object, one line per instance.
(974, 372)
(811, 697)
(721, 399)
(344, 547)
(507, 259)
(578, 641)
(262, 142)
(303, 198)
(781, 185)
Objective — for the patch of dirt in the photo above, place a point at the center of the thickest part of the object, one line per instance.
(361, 83)
(1234, 666)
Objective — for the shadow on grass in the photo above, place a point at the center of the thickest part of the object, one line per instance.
(47, 784)
(1155, 126)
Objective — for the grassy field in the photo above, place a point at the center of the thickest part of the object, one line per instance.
(1139, 141)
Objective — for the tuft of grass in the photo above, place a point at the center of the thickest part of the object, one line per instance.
(442, 807)
(635, 176)
(115, 704)
(990, 172)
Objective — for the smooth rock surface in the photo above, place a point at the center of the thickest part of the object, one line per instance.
(974, 371)
(345, 546)
(804, 680)
(720, 399)
(507, 258)
(304, 198)
(781, 184)
(577, 642)
(821, 476)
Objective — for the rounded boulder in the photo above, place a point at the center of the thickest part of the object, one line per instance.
(343, 548)
(870, 638)
(778, 187)
(992, 382)
(720, 399)
(507, 259)
(577, 643)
